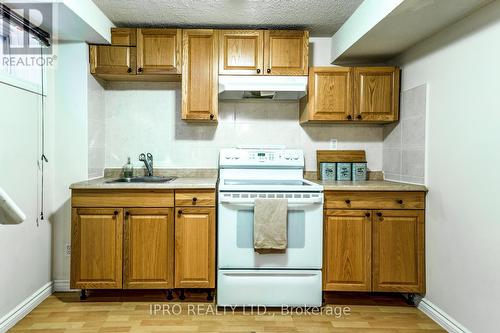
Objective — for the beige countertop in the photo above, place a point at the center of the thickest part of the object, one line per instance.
(368, 185)
(178, 183)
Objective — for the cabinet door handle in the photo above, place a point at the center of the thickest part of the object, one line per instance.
(212, 116)
(349, 117)
(258, 70)
(179, 212)
(115, 212)
(379, 214)
(129, 70)
(367, 214)
(358, 117)
(140, 69)
(127, 214)
(269, 70)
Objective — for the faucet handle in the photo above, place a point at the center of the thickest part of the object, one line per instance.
(150, 157)
(142, 157)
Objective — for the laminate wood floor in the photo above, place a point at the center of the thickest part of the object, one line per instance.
(135, 312)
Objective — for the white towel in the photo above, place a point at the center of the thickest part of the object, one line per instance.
(270, 225)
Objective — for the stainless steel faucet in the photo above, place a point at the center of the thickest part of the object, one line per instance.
(148, 162)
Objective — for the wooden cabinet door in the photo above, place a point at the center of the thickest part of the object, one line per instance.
(148, 248)
(347, 250)
(398, 251)
(123, 36)
(376, 94)
(241, 52)
(159, 51)
(195, 248)
(105, 59)
(199, 75)
(286, 52)
(330, 93)
(96, 250)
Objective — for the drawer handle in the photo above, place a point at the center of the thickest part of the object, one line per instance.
(179, 212)
(367, 214)
(399, 201)
(348, 201)
(194, 200)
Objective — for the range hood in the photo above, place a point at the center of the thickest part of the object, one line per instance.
(262, 87)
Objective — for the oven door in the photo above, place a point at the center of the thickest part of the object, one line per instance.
(305, 232)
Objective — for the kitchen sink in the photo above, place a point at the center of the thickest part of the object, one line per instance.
(145, 179)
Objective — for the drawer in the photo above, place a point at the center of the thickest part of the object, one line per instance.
(374, 200)
(123, 198)
(194, 198)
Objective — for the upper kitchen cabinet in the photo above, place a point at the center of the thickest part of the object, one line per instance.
(376, 94)
(263, 52)
(241, 52)
(199, 75)
(330, 95)
(138, 54)
(286, 52)
(117, 59)
(123, 37)
(347, 94)
(106, 61)
(159, 51)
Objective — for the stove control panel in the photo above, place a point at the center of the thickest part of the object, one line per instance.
(261, 157)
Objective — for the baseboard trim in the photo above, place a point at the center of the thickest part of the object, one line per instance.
(25, 307)
(441, 317)
(62, 285)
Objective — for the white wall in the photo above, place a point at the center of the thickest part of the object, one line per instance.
(460, 66)
(145, 117)
(70, 144)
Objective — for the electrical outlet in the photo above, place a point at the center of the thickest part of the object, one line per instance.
(67, 249)
(333, 144)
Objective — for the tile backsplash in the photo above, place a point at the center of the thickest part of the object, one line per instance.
(404, 142)
(145, 117)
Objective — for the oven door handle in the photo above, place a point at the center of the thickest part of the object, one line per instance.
(315, 201)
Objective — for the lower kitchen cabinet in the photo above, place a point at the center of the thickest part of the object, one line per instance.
(347, 250)
(96, 256)
(398, 250)
(195, 247)
(148, 261)
(372, 249)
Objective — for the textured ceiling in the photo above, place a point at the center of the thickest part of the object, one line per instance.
(321, 17)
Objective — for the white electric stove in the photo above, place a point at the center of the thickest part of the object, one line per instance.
(245, 277)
